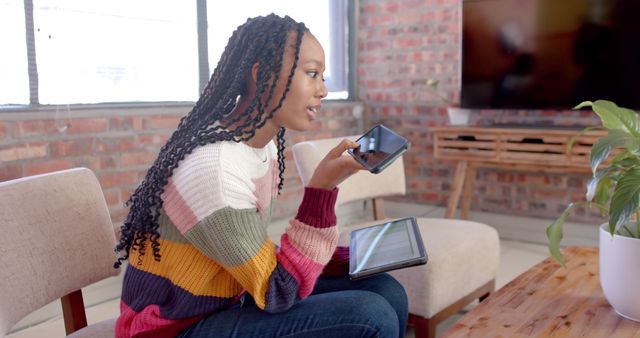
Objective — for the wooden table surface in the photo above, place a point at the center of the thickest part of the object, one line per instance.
(549, 301)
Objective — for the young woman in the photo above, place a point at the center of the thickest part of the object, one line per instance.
(200, 261)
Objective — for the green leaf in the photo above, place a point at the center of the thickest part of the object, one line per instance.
(594, 183)
(624, 159)
(603, 190)
(554, 231)
(625, 200)
(614, 117)
(615, 139)
(573, 138)
(583, 104)
(554, 234)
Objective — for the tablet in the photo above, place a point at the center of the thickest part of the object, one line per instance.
(384, 247)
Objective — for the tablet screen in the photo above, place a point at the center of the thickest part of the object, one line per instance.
(385, 246)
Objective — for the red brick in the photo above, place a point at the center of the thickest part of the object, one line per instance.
(163, 122)
(370, 8)
(507, 177)
(118, 179)
(548, 194)
(126, 123)
(23, 152)
(3, 130)
(112, 197)
(137, 123)
(47, 166)
(409, 18)
(391, 7)
(412, 5)
(125, 194)
(378, 45)
(118, 215)
(10, 171)
(97, 163)
(577, 196)
(430, 197)
(76, 147)
(381, 20)
(137, 158)
(120, 123)
(115, 144)
(84, 126)
(35, 127)
(152, 140)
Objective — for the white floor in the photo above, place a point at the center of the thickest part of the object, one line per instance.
(102, 299)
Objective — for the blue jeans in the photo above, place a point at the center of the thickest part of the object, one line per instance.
(338, 307)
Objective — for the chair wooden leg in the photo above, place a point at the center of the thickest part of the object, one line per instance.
(73, 312)
(423, 327)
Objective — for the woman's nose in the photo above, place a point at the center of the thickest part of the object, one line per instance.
(322, 90)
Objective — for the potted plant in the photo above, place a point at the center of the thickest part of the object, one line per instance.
(457, 115)
(614, 188)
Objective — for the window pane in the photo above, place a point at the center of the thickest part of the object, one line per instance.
(14, 76)
(116, 51)
(224, 17)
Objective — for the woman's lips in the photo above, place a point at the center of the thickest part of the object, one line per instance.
(311, 113)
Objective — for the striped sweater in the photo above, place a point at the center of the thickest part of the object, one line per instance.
(214, 243)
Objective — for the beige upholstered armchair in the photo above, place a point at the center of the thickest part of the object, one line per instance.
(463, 255)
(57, 237)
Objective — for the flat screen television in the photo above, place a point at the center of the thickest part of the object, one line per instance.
(550, 54)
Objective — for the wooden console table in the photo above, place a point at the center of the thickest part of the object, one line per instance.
(537, 150)
(549, 301)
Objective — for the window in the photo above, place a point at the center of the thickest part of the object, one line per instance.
(327, 21)
(14, 78)
(92, 52)
(115, 51)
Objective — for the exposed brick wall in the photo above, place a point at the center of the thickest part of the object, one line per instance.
(119, 145)
(401, 44)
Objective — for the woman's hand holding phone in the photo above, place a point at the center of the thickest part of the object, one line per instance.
(334, 167)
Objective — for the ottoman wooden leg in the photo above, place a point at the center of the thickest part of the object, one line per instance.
(426, 327)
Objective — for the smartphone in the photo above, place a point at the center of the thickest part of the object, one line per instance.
(379, 147)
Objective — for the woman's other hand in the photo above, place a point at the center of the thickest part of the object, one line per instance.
(335, 167)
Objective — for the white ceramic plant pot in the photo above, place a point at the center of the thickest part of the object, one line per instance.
(458, 116)
(620, 272)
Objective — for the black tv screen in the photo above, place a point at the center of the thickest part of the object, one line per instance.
(550, 54)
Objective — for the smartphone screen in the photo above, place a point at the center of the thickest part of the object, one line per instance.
(379, 147)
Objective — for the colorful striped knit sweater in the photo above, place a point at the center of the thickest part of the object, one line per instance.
(214, 243)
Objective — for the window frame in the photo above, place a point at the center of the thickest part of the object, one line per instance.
(343, 58)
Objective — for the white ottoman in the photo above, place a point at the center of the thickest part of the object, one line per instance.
(463, 258)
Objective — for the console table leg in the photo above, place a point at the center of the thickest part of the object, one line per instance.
(456, 189)
(467, 192)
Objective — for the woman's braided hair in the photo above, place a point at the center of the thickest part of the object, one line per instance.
(261, 40)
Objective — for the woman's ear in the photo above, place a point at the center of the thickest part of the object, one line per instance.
(252, 80)
(254, 73)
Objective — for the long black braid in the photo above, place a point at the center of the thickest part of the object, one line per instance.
(261, 40)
